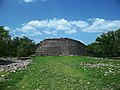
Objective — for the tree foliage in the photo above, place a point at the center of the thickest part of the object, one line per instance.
(27, 47)
(5, 41)
(106, 45)
(20, 47)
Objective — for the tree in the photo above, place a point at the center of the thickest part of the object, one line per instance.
(26, 48)
(106, 45)
(15, 43)
(20, 47)
(117, 42)
(5, 41)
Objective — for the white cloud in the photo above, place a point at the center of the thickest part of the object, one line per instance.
(7, 28)
(29, 30)
(101, 25)
(26, 1)
(80, 24)
(47, 32)
(29, 1)
(70, 31)
(54, 26)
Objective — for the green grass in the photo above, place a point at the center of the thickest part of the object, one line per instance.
(65, 73)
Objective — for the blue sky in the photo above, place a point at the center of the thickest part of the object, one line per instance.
(82, 20)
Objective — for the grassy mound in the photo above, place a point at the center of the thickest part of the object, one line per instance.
(65, 73)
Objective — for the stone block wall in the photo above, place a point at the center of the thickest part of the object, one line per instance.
(60, 47)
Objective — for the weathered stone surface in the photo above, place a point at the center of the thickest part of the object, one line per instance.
(61, 47)
(15, 65)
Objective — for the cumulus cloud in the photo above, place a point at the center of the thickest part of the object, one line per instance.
(54, 26)
(26, 1)
(29, 30)
(7, 28)
(101, 25)
(29, 1)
